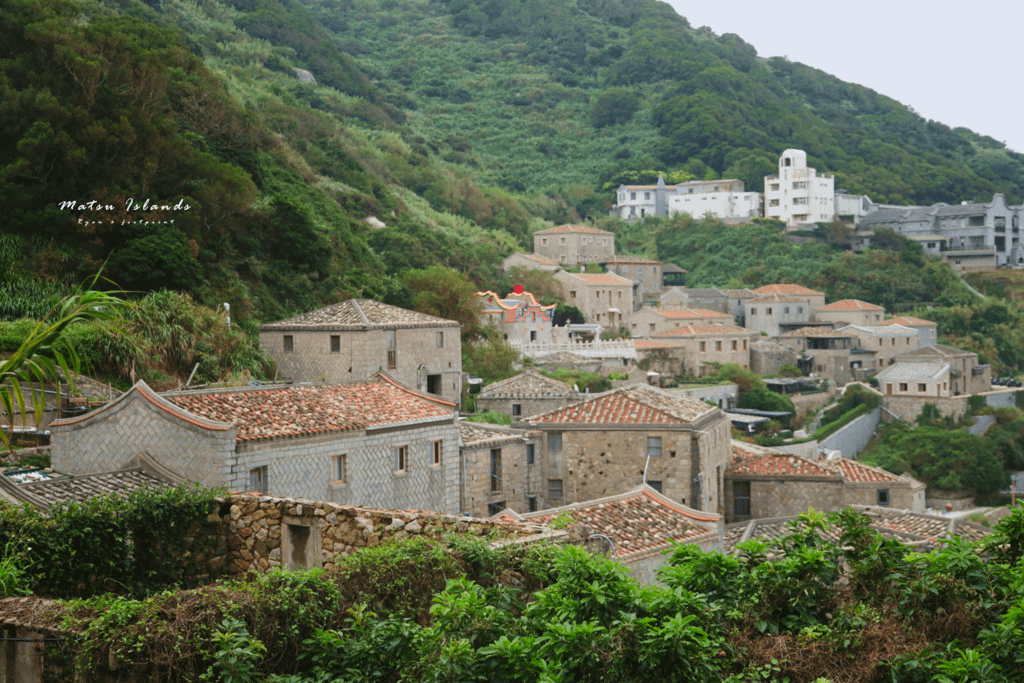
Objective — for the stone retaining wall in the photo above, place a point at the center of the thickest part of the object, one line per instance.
(263, 533)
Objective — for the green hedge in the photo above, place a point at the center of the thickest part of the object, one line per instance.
(145, 541)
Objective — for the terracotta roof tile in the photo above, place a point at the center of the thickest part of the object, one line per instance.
(262, 414)
(81, 488)
(637, 404)
(638, 521)
(479, 434)
(814, 331)
(538, 259)
(909, 321)
(691, 330)
(358, 314)
(851, 305)
(755, 461)
(573, 228)
(785, 288)
(602, 278)
(644, 344)
(690, 313)
(776, 298)
(854, 471)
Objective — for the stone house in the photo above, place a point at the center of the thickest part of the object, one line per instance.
(850, 312)
(708, 298)
(571, 245)
(358, 338)
(374, 442)
(701, 348)
(603, 298)
(649, 321)
(867, 485)
(529, 262)
(814, 298)
(763, 483)
(927, 331)
(767, 357)
(736, 300)
(658, 357)
(775, 313)
(646, 273)
(500, 468)
(921, 379)
(966, 375)
(613, 441)
(828, 353)
(887, 341)
(525, 394)
(721, 198)
(519, 317)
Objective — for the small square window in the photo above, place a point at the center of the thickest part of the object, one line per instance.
(883, 496)
(718, 346)
(656, 485)
(532, 501)
(495, 469)
(653, 446)
(554, 488)
(555, 441)
(768, 311)
(529, 454)
(401, 458)
(258, 479)
(753, 311)
(335, 343)
(922, 387)
(495, 508)
(339, 468)
(439, 340)
(437, 447)
(903, 386)
(703, 346)
(517, 409)
(289, 343)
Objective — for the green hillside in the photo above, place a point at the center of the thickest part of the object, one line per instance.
(462, 126)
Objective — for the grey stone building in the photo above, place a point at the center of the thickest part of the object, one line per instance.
(616, 440)
(574, 244)
(525, 394)
(501, 469)
(373, 442)
(358, 338)
(963, 234)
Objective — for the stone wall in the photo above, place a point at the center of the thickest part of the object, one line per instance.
(785, 498)
(767, 357)
(362, 353)
(307, 468)
(805, 403)
(907, 408)
(528, 405)
(107, 439)
(854, 437)
(264, 533)
(594, 463)
(902, 496)
(517, 482)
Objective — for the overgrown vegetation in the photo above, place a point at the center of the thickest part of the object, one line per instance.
(800, 608)
(138, 543)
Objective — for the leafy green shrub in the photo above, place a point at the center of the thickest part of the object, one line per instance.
(492, 417)
(147, 540)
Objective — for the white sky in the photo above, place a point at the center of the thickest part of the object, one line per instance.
(957, 63)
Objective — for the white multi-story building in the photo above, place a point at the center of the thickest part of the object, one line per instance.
(720, 198)
(798, 194)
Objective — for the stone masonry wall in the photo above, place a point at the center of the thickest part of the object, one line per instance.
(597, 463)
(306, 468)
(263, 533)
(518, 480)
(528, 406)
(106, 441)
(364, 352)
(778, 498)
(907, 408)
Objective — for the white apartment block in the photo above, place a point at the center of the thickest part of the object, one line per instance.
(720, 198)
(798, 194)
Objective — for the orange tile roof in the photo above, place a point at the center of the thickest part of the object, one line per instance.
(694, 330)
(908, 321)
(538, 258)
(851, 305)
(854, 471)
(756, 461)
(573, 228)
(776, 297)
(639, 404)
(785, 289)
(602, 278)
(689, 313)
(638, 521)
(264, 414)
(641, 344)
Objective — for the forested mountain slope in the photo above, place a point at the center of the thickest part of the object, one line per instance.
(462, 126)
